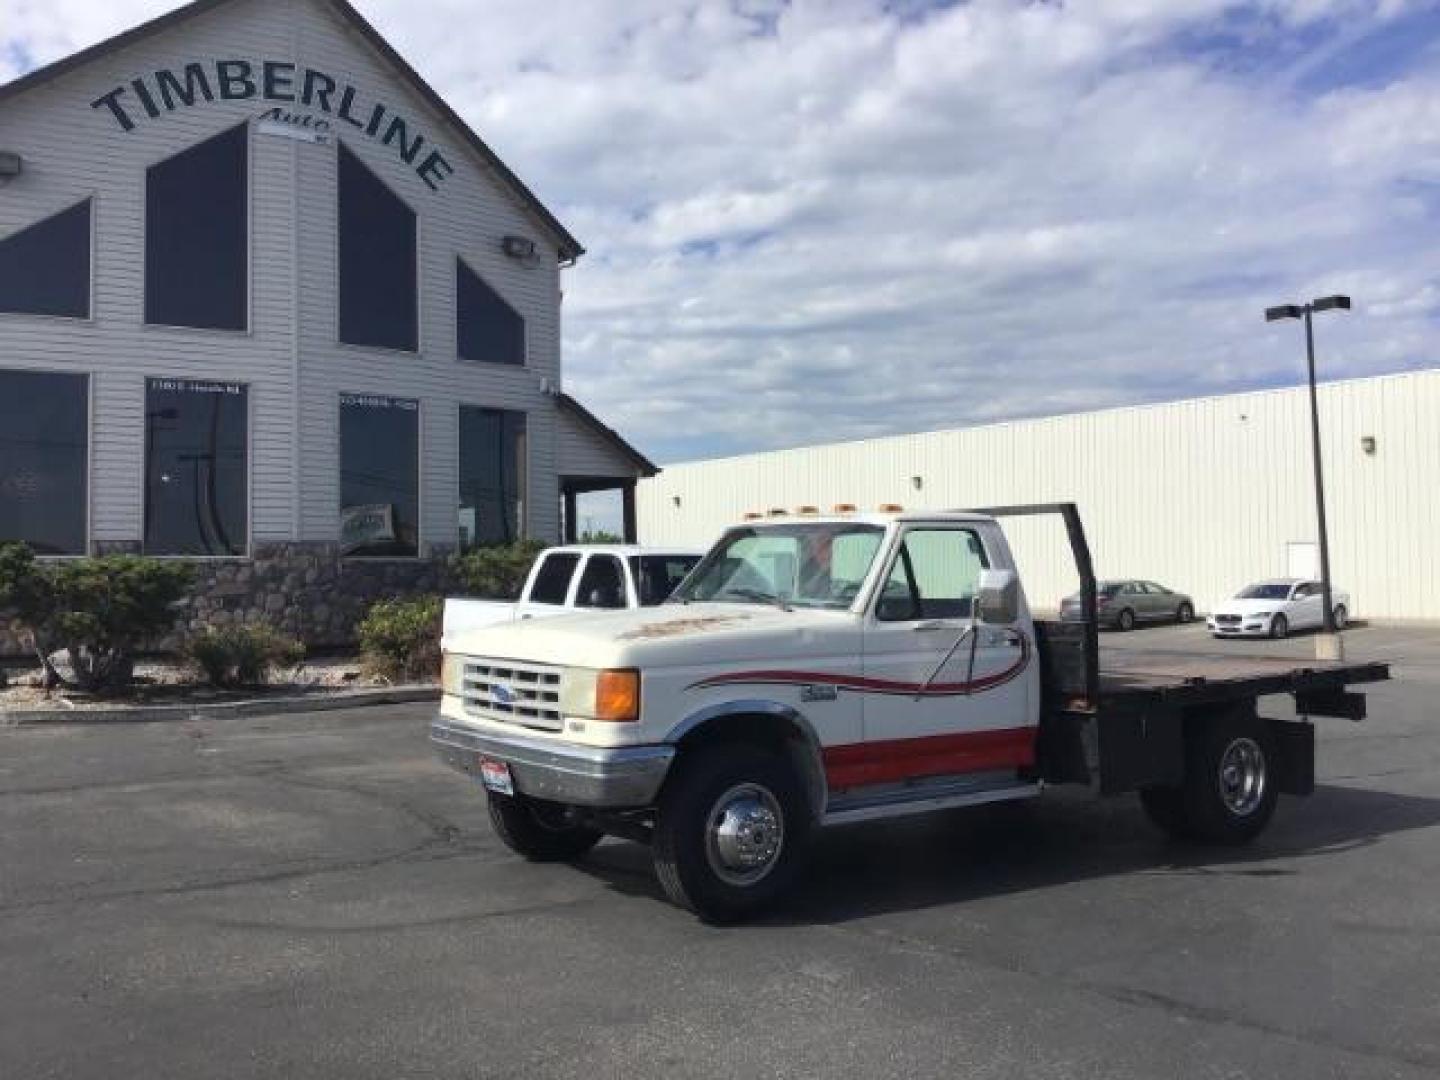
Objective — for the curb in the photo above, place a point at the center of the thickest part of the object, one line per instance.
(221, 710)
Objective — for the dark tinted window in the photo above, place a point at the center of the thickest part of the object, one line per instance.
(553, 580)
(486, 327)
(377, 261)
(492, 476)
(602, 585)
(196, 224)
(45, 268)
(44, 421)
(657, 575)
(195, 467)
(379, 475)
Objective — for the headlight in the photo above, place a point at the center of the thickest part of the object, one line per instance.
(612, 695)
(452, 674)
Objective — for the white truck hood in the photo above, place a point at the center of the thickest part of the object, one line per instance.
(672, 634)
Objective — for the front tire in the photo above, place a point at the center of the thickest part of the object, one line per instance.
(540, 831)
(1229, 792)
(1341, 616)
(731, 831)
(1185, 613)
(1279, 627)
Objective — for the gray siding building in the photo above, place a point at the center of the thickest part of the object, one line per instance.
(266, 302)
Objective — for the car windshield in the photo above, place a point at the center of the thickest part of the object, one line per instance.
(1265, 590)
(813, 564)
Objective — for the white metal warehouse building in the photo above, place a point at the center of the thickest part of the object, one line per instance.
(1203, 496)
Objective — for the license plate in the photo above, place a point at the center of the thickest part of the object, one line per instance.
(495, 775)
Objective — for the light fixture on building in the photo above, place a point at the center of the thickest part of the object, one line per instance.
(11, 166)
(518, 247)
(676, 500)
(1367, 443)
(917, 482)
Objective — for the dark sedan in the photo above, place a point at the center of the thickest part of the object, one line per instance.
(1123, 604)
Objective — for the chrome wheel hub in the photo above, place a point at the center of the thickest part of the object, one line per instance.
(1242, 777)
(744, 834)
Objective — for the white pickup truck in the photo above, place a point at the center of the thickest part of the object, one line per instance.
(580, 577)
(815, 671)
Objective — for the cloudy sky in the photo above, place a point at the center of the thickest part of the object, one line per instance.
(810, 221)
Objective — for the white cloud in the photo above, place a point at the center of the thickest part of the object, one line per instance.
(817, 220)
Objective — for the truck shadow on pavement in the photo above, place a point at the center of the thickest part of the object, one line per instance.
(948, 858)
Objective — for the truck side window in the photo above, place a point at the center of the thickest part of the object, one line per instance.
(657, 575)
(934, 576)
(553, 579)
(602, 585)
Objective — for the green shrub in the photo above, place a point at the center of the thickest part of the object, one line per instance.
(400, 639)
(100, 611)
(497, 572)
(241, 655)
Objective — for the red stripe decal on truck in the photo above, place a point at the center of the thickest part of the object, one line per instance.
(864, 685)
(857, 764)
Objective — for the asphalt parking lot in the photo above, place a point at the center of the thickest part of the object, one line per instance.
(312, 896)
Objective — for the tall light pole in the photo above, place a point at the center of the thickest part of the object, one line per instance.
(1328, 645)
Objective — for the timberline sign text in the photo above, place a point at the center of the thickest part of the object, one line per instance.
(275, 80)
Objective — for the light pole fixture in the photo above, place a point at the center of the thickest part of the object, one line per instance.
(1327, 646)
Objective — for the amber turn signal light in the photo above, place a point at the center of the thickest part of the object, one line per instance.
(617, 696)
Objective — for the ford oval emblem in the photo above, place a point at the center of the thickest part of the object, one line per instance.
(502, 693)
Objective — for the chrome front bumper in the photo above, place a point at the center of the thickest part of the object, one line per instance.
(559, 772)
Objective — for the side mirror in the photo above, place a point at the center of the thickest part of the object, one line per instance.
(997, 601)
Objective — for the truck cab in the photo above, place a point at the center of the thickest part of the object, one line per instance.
(580, 577)
(818, 670)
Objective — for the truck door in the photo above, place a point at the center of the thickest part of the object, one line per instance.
(928, 711)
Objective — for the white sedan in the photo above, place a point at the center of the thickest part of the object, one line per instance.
(1274, 608)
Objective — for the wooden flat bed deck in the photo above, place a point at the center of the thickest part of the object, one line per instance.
(1187, 677)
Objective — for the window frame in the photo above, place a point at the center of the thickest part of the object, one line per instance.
(572, 582)
(522, 519)
(249, 552)
(250, 176)
(619, 563)
(420, 297)
(89, 376)
(987, 561)
(93, 197)
(420, 552)
(524, 364)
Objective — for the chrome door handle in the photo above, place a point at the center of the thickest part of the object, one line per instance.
(931, 625)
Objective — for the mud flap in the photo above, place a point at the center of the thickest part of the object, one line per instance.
(1295, 751)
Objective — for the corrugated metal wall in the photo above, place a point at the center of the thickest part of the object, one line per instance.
(1202, 495)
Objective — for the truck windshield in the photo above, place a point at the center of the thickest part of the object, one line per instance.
(814, 564)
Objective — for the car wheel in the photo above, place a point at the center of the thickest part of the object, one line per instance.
(1341, 616)
(540, 831)
(731, 831)
(1125, 620)
(1185, 613)
(1279, 627)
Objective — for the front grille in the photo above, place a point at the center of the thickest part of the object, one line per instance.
(1227, 620)
(512, 692)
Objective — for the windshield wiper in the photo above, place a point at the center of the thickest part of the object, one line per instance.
(757, 596)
